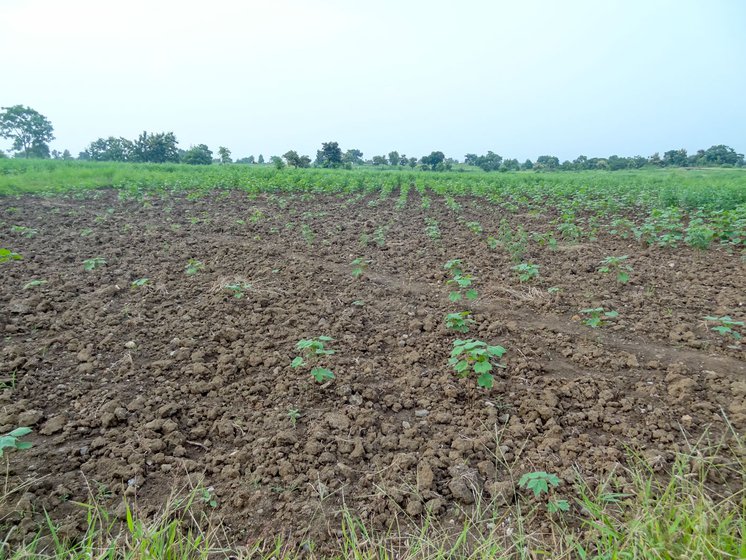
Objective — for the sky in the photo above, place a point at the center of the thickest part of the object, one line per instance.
(520, 78)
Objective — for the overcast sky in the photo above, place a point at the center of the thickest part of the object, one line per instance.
(521, 78)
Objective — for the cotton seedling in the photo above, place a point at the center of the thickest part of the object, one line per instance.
(359, 266)
(140, 282)
(8, 255)
(94, 263)
(725, 326)
(476, 356)
(314, 349)
(238, 289)
(597, 315)
(33, 284)
(617, 265)
(11, 440)
(526, 271)
(459, 322)
(193, 267)
(463, 281)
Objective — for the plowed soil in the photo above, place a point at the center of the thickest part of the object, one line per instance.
(136, 390)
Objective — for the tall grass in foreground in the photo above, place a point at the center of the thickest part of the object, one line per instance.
(682, 514)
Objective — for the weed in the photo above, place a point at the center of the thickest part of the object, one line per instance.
(193, 267)
(94, 263)
(314, 349)
(207, 496)
(460, 321)
(597, 316)
(476, 355)
(540, 482)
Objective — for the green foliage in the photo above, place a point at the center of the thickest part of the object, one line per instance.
(140, 282)
(33, 284)
(538, 482)
(193, 266)
(596, 316)
(477, 356)
(30, 131)
(237, 289)
(460, 321)
(526, 271)
(725, 326)
(462, 281)
(8, 255)
(293, 414)
(432, 230)
(475, 227)
(25, 231)
(617, 265)
(94, 263)
(308, 234)
(207, 496)
(313, 350)
(11, 440)
(197, 155)
(359, 265)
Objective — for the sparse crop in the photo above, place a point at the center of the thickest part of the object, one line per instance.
(11, 440)
(725, 326)
(94, 263)
(526, 271)
(477, 356)
(314, 349)
(193, 267)
(596, 316)
(459, 322)
(475, 227)
(618, 265)
(25, 231)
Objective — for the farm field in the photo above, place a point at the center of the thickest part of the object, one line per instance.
(151, 325)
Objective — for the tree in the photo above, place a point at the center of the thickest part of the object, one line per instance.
(394, 158)
(277, 162)
(655, 159)
(109, 149)
(674, 158)
(225, 155)
(433, 161)
(30, 131)
(721, 155)
(197, 155)
(470, 159)
(330, 155)
(510, 165)
(412, 162)
(379, 160)
(547, 162)
(155, 148)
(246, 160)
(261, 159)
(527, 165)
(66, 155)
(353, 156)
(489, 162)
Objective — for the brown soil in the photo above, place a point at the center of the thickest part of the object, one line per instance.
(130, 390)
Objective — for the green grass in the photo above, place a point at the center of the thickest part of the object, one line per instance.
(680, 514)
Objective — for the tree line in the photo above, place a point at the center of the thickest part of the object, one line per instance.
(31, 133)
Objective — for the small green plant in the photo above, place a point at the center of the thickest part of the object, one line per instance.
(8, 255)
(359, 266)
(432, 230)
(193, 267)
(85, 232)
(380, 236)
(11, 440)
(207, 496)
(314, 349)
(492, 242)
(477, 356)
(140, 282)
(475, 227)
(308, 234)
(25, 231)
(618, 265)
(33, 284)
(238, 289)
(596, 316)
(293, 414)
(526, 271)
(553, 290)
(256, 216)
(541, 482)
(725, 326)
(94, 263)
(463, 281)
(460, 321)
